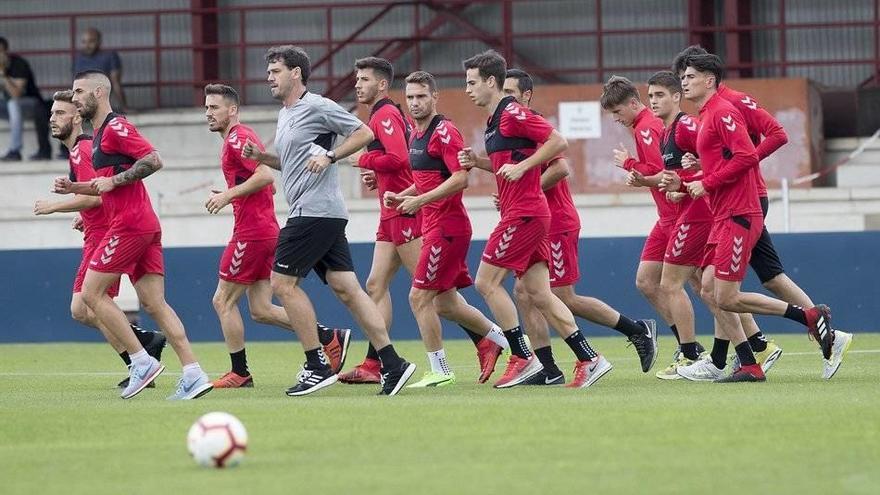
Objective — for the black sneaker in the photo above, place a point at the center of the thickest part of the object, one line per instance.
(124, 384)
(394, 380)
(12, 156)
(311, 380)
(544, 378)
(646, 344)
(155, 346)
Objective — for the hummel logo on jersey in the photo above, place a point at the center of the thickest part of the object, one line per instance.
(646, 137)
(386, 126)
(233, 141)
(444, 133)
(736, 258)
(689, 123)
(75, 157)
(558, 262)
(237, 256)
(516, 111)
(729, 123)
(749, 102)
(119, 127)
(407, 234)
(678, 242)
(109, 250)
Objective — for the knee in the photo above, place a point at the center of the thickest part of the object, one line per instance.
(774, 284)
(419, 300)
(79, 312)
(344, 292)
(375, 286)
(280, 288)
(520, 293)
(153, 306)
(261, 315)
(647, 287)
(667, 289)
(221, 304)
(485, 287)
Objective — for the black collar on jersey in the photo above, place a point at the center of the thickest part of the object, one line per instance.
(82, 137)
(496, 115)
(672, 154)
(419, 159)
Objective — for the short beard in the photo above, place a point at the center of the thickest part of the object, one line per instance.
(89, 108)
(63, 132)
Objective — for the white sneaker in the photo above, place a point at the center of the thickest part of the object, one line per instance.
(703, 370)
(842, 341)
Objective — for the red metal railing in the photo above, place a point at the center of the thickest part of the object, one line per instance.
(699, 27)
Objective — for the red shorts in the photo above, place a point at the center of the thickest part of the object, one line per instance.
(400, 229)
(442, 264)
(564, 268)
(245, 262)
(89, 247)
(518, 243)
(655, 244)
(730, 246)
(687, 244)
(134, 254)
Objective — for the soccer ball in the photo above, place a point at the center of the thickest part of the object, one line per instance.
(217, 439)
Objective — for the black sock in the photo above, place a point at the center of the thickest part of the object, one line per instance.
(143, 336)
(389, 358)
(758, 342)
(581, 348)
(239, 363)
(674, 330)
(316, 359)
(371, 353)
(745, 355)
(689, 349)
(325, 334)
(628, 327)
(517, 343)
(719, 353)
(475, 337)
(545, 355)
(125, 358)
(796, 313)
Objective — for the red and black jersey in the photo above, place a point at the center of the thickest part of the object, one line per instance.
(255, 213)
(388, 154)
(680, 138)
(513, 133)
(647, 130)
(433, 156)
(117, 145)
(95, 221)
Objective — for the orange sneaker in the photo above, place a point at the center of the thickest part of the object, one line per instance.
(519, 370)
(587, 373)
(234, 380)
(366, 372)
(487, 353)
(337, 349)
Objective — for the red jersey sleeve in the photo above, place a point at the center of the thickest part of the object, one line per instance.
(731, 129)
(650, 161)
(761, 123)
(236, 140)
(445, 143)
(389, 128)
(122, 138)
(519, 121)
(81, 162)
(686, 134)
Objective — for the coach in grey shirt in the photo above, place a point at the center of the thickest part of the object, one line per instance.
(314, 236)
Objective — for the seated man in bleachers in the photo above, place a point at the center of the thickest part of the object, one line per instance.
(92, 57)
(19, 95)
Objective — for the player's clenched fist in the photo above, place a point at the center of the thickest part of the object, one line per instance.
(62, 185)
(103, 184)
(250, 151)
(467, 158)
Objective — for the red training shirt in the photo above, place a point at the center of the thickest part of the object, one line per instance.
(255, 213)
(388, 154)
(647, 130)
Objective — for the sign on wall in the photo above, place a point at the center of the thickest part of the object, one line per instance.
(580, 119)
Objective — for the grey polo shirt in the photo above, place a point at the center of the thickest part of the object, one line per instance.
(307, 128)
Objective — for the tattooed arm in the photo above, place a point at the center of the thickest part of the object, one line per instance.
(141, 169)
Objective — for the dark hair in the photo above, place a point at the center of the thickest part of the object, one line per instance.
(4, 43)
(380, 66)
(490, 64)
(291, 56)
(227, 92)
(679, 65)
(707, 63)
(617, 91)
(65, 95)
(523, 79)
(422, 77)
(666, 79)
(86, 74)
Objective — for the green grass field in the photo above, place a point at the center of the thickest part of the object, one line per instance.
(63, 429)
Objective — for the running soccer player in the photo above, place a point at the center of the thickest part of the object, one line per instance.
(518, 141)
(314, 237)
(565, 228)
(768, 135)
(247, 261)
(730, 166)
(442, 269)
(122, 158)
(66, 126)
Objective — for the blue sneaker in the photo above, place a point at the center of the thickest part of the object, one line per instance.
(141, 376)
(192, 390)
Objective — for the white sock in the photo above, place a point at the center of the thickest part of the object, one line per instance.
(495, 335)
(140, 357)
(192, 371)
(439, 363)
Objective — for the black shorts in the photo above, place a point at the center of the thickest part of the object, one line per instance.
(312, 243)
(765, 260)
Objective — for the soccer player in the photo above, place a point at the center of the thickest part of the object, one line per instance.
(767, 134)
(122, 158)
(518, 141)
(730, 168)
(398, 238)
(247, 261)
(565, 228)
(442, 269)
(314, 237)
(65, 124)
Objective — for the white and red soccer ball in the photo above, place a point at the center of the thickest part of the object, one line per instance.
(217, 439)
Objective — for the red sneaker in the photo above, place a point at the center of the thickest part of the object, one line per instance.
(487, 354)
(819, 327)
(233, 380)
(518, 370)
(750, 373)
(337, 349)
(587, 373)
(366, 372)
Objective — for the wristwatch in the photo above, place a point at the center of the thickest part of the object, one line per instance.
(331, 155)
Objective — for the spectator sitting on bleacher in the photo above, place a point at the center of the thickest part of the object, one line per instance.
(20, 94)
(92, 57)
